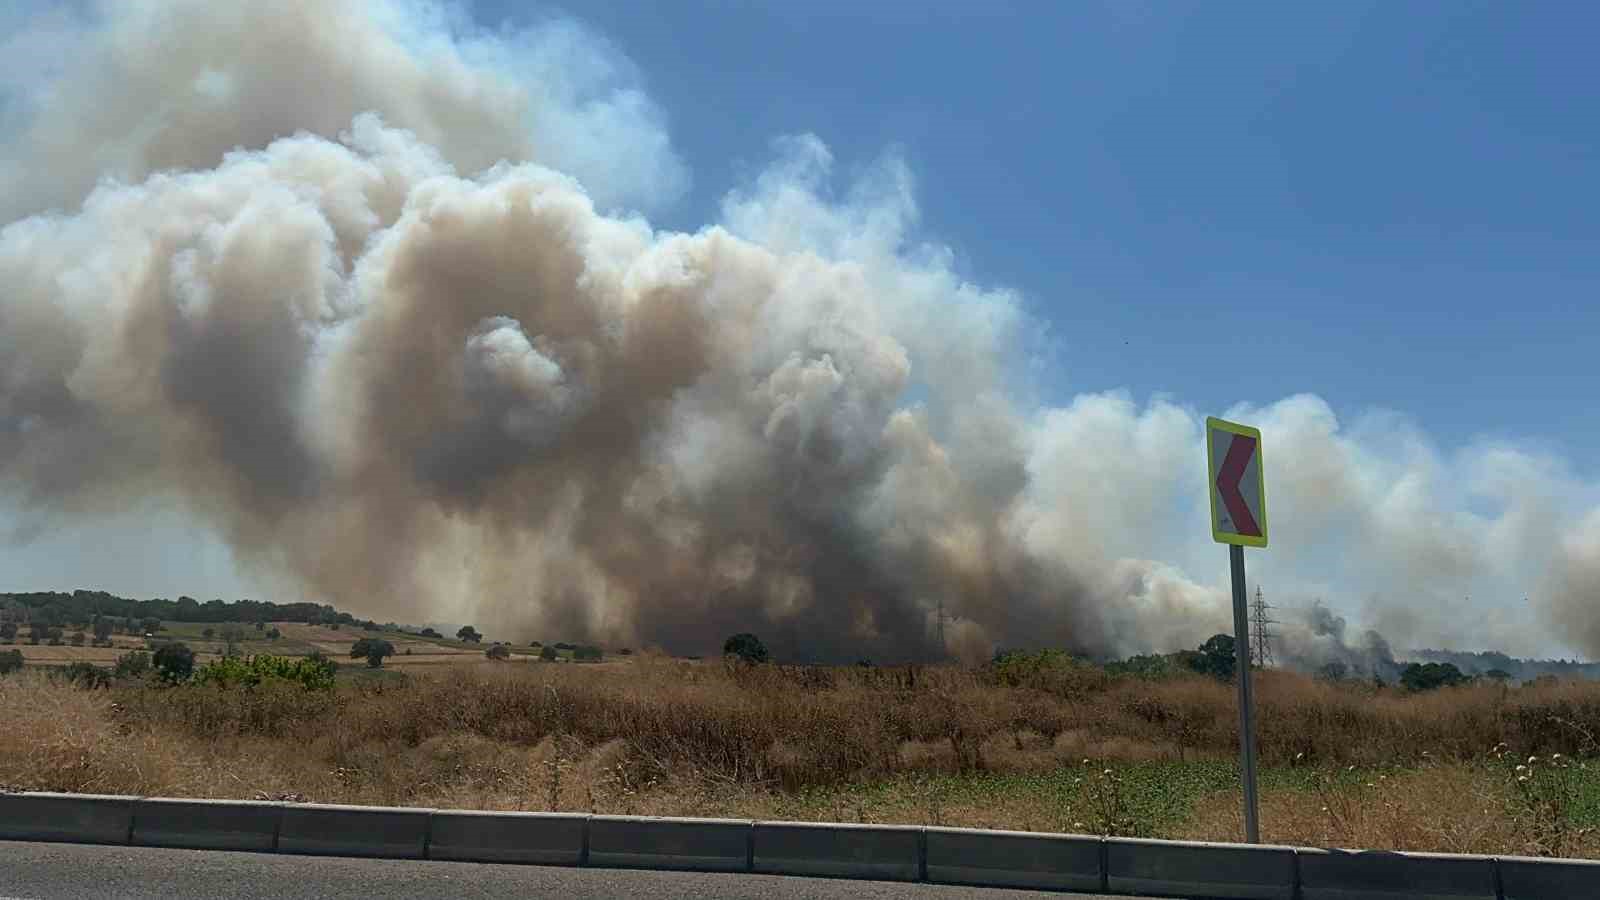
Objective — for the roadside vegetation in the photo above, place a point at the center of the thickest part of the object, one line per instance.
(1033, 741)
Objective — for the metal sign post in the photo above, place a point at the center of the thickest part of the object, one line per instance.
(1247, 725)
(1239, 519)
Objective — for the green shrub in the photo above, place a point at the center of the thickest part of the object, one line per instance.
(87, 675)
(311, 673)
(10, 661)
(175, 661)
(498, 651)
(548, 654)
(132, 665)
(584, 653)
(746, 647)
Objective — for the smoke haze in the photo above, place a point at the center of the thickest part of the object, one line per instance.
(372, 294)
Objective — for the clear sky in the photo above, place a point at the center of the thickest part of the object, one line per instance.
(1389, 204)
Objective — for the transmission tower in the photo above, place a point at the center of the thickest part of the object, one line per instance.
(1260, 632)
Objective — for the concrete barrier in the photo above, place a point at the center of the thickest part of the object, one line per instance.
(470, 836)
(1387, 875)
(206, 824)
(354, 830)
(1526, 878)
(1013, 859)
(886, 852)
(78, 818)
(1193, 869)
(703, 845)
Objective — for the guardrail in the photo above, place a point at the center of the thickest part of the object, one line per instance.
(879, 852)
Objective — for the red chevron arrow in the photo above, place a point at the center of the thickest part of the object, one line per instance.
(1239, 453)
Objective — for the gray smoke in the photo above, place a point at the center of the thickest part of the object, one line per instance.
(370, 293)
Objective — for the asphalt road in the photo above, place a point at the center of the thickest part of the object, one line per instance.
(30, 871)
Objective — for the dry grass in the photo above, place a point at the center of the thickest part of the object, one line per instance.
(940, 745)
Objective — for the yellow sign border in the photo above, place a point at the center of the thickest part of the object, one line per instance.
(1217, 534)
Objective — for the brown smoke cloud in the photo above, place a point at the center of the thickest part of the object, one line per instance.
(358, 286)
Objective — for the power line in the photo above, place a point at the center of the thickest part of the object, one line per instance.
(1260, 633)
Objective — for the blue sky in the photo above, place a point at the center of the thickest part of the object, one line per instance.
(1390, 205)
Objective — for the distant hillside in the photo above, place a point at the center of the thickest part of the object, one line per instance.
(81, 607)
(1483, 662)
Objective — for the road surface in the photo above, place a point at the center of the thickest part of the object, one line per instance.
(38, 871)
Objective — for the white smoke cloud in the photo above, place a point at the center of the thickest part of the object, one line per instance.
(353, 285)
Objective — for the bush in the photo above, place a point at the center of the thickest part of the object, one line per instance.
(273, 634)
(311, 673)
(87, 675)
(498, 651)
(586, 654)
(77, 639)
(131, 665)
(1428, 676)
(10, 661)
(8, 631)
(469, 634)
(548, 654)
(175, 661)
(746, 647)
(208, 633)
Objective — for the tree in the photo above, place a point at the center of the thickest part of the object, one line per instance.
(469, 634)
(746, 646)
(77, 639)
(535, 644)
(151, 625)
(498, 651)
(586, 654)
(273, 634)
(548, 654)
(1215, 657)
(37, 631)
(373, 649)
(175, 661)
(1500, 675)
(260, 625)
(429, 632)
(209, 633)
(8, 631)
(1333, 670)
(1428, 676)
(10, 661)
(102, 629)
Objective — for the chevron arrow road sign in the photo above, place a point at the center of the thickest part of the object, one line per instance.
(1238, 486)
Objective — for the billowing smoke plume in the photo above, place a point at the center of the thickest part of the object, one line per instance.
(357, 285)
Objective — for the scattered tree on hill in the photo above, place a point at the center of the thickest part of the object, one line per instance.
(10, 661)
(1428, 676)
(469, 634)
(373, 649)
(498, 651)
(1500, 675)
(175, 661)
(429, 632)
(548, 654)
(745, 646)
